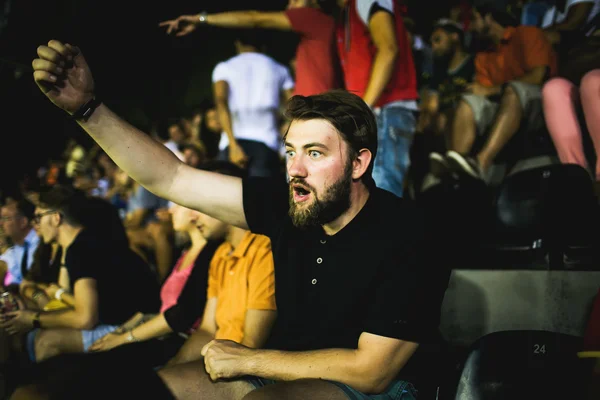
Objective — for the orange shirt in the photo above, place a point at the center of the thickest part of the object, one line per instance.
(521, 49)
(241, 279)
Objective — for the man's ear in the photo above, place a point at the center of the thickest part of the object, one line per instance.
(361, 163)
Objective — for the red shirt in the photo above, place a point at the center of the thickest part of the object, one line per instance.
(316, 60)
(357, 53)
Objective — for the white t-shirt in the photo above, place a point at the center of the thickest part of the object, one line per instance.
(255, 85)
(553, 16)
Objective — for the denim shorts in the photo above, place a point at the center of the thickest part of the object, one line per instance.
(88, 338)
(397, 390)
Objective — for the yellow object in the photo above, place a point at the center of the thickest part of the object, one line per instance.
(588, 354)
(55, 305)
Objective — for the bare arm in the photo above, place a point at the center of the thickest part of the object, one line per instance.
(535, 76)
(145, 160)
(221, 96)
(250, 19)
(370, 368)
(155, 327)
(84, 315)
(257, 327)
(576, 17)
(383, 33)
(186, 24)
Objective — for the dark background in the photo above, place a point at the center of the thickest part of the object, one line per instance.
(140, 72)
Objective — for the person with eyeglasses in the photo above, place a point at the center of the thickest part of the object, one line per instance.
(98, 272)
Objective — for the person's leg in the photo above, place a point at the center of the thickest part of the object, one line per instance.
(314, 389)
(506, 124)
(464, 128)
(190, 381)
(395, 131)
(590, 101)
(560, 98)
(52, 342)
(191, 350)
(472, 118)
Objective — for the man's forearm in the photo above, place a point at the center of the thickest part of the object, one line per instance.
(139, 155)
(340, 365)
(233, 19)
(225, 120)
(156, 327)
(65, 319)
(381, 73)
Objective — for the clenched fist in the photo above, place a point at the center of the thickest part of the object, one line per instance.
(63, 75)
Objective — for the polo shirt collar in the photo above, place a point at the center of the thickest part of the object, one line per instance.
(357, 225)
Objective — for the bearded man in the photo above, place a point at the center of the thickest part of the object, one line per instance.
(357, 300)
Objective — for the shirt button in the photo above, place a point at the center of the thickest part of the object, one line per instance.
(314, 281)
(323, 241)
(319, 260)
(230, 272)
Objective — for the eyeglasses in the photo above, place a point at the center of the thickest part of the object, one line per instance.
(37, 217)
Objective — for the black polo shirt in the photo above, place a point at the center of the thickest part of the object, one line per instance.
(372, 276)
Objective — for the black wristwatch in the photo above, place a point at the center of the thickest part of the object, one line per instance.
(86, 110)
(36, 320)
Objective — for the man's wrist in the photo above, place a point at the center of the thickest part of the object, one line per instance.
(251, 363)
(203, 18)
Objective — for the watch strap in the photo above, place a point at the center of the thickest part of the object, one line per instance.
(86, 110)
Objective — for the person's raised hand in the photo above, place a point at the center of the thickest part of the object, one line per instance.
(181, 26)
(63, 75)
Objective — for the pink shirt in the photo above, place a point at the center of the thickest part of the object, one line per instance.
(172, 287)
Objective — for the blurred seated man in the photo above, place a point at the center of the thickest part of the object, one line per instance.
(506, 95)
(16, 218)
(100, 274)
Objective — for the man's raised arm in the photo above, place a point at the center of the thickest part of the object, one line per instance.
(64, 77)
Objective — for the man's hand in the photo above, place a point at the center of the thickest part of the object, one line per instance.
(108, 342)
(480, 90)
(182, 25)
(224, 359)
(63, 75)
(17, 322)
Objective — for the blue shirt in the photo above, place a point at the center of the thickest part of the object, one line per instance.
(14, 255)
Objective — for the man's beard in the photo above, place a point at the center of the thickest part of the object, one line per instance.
(334, 203)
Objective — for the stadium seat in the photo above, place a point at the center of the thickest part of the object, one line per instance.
(523, 365)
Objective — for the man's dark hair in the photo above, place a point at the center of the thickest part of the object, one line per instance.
(501, 10)
(348, 114)
(79, 209)
(70, 202)
(451, 27)
(24, 207)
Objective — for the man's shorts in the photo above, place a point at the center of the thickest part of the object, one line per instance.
(88, 338)
(397, 390)
(485, 109)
